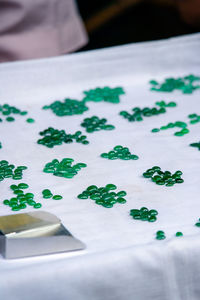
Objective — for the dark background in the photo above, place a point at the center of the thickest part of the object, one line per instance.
(144, 21)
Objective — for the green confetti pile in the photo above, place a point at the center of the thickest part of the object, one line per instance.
(95, 124)
(144, 214)
(54, 137)
(185, 84)
(10, 171)
(104, 94)
(63, 168)
(68, 107)
(120, 152)
(163, 178)
(21, 199)
(103, 195)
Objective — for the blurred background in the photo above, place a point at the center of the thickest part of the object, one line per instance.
(117, 22)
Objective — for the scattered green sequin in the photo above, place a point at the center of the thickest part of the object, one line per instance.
(104, 195)
(30, 120)
(63, 168)
(53, 137)
(104, 94)
(0, 145)
(21, 199)
(178, 124)
(144, 214)
(68, 107)
(95, 124)
(185, 84)
(7, 110)
(138, 113)
(120, 152)
(163, 178)
(196, 145)
(160, 235)
(10, 171)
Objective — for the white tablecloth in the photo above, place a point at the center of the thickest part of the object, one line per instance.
(123, 260)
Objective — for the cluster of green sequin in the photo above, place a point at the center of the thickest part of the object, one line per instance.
(119, 152)
(21, 199)
(53, 137)
(139, 113)
(103, 195)
(185, 84)
(68, 107)
(163, 178)
(0, 145)
(144, 214)
(63, 168)
(104, 94)
(196, 145)
(9, 171)
(178, 124)
(47, 194)
(95, 124)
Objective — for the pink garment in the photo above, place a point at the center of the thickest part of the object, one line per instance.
(39, 28)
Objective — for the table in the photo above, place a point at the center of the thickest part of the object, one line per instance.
(122, 259)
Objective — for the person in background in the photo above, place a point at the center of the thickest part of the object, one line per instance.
(39, 28)
(190, 11)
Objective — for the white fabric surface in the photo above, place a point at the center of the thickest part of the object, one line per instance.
(122, 259)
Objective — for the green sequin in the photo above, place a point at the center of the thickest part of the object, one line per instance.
(57, 197)
(196, 145)
(179, 234)
(23, 186)
(10, 119)
(30, 120)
